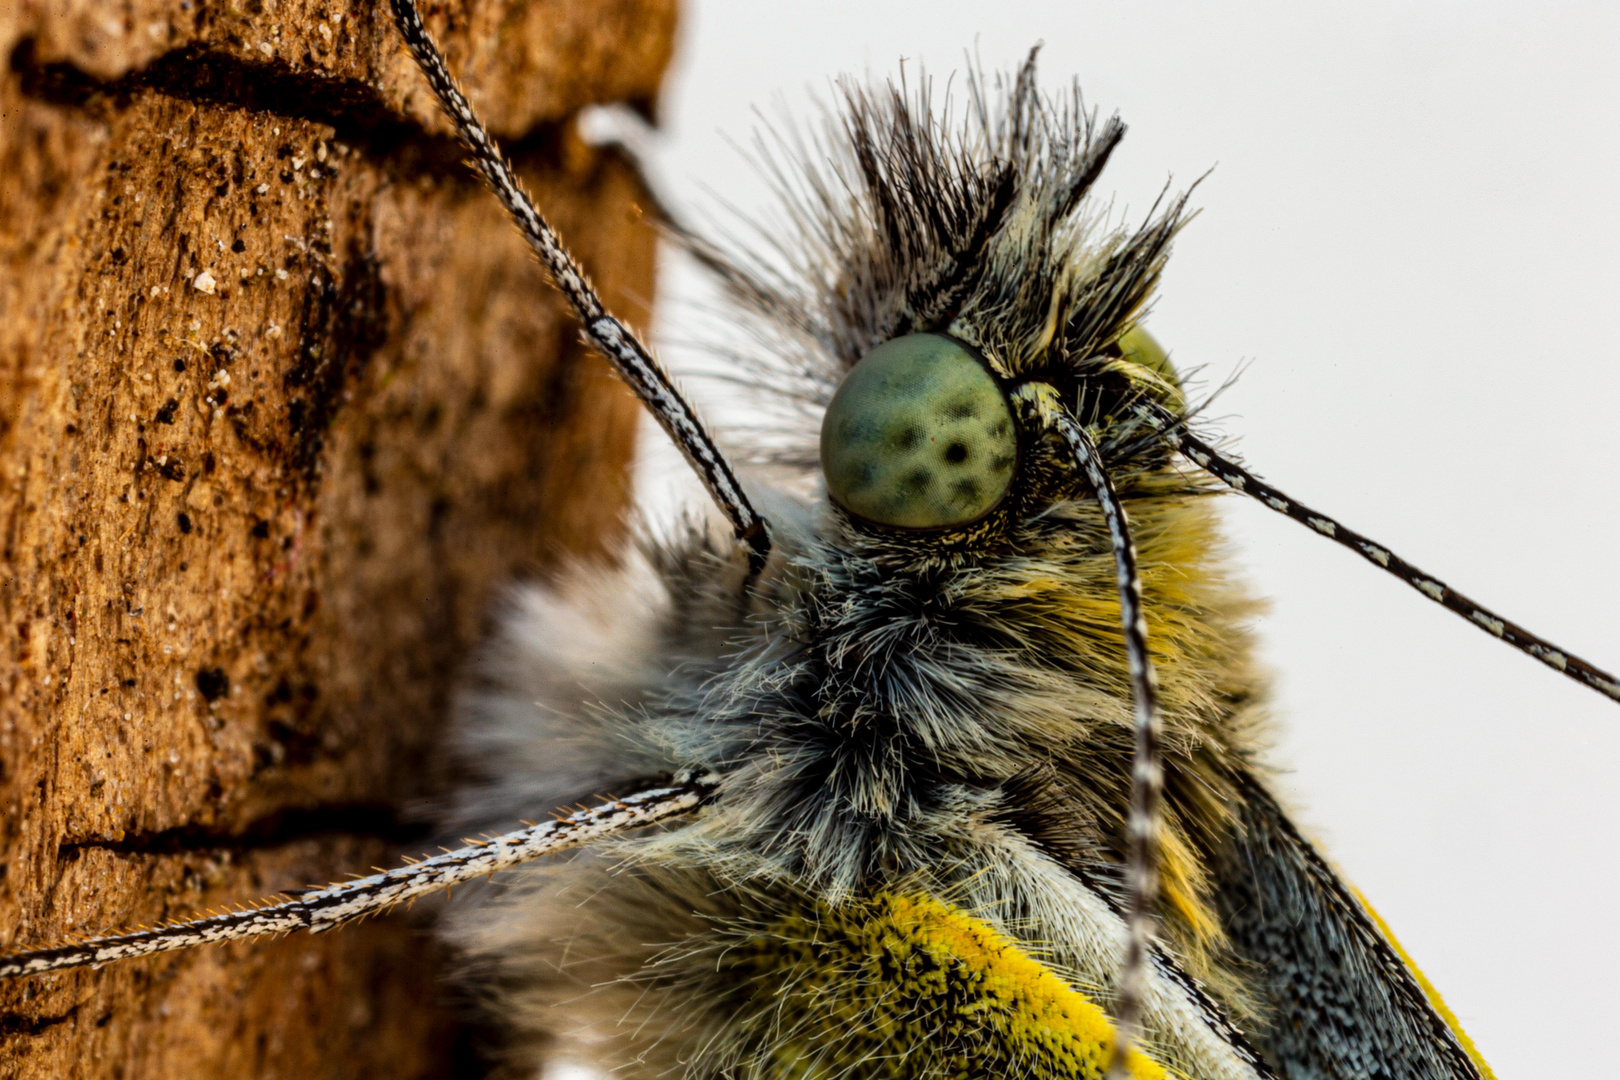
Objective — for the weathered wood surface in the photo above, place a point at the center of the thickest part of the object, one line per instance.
(283, 401)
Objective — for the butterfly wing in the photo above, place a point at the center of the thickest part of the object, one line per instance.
(1341, 999)
(905, 985)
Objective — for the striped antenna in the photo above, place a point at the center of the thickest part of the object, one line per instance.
(324, 909)
(1042, 404)
(631, 358)
(1240, 479)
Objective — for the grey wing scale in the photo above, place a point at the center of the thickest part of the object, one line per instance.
(1340, 1002)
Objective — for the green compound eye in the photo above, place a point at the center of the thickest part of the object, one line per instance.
(919, 436)
(1139, 347)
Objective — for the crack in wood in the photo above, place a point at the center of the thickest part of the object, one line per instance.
(18, 1024)
(355, 110)
(361, 819)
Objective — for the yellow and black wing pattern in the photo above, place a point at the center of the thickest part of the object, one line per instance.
(904, 985)
(1339, 997)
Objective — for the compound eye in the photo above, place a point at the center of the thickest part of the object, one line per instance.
(1139, 347)
(919, 436)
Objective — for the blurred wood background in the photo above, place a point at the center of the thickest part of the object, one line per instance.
(283, 401)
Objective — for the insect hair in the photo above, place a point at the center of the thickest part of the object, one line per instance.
(992, 256)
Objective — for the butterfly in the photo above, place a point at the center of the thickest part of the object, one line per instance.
(830, 868)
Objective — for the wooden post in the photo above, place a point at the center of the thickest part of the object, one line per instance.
(283, 402)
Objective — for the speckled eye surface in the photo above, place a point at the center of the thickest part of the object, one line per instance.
(1139, 347)
(919, 436)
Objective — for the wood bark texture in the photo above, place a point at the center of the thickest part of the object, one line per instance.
(284, 401)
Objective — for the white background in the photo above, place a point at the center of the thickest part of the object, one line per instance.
(1411, 236)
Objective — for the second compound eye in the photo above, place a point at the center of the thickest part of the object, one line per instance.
(919, 436)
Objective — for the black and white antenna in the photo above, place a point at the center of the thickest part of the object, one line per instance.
(1234, 476)
(335, 905)
(619, 344)
(1043, 405)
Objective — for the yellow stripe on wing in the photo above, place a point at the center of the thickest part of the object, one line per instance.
(907, 986)
(1435, 1000)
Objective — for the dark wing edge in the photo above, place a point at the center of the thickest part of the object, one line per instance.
(1342, 998)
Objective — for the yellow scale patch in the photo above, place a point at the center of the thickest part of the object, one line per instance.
(906, 986)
